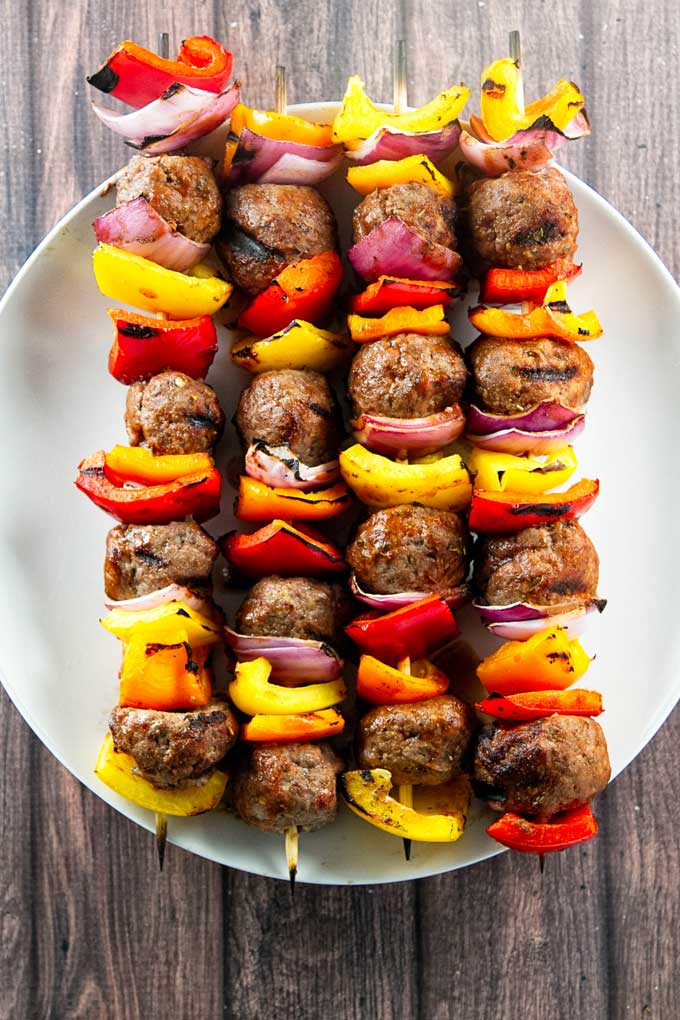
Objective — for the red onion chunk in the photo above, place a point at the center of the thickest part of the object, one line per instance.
(547, 416)
(136, 227)
(404, 598)
(292, 659)
(388, 143)
(394, 249)
(160, 597)
(392, 435)
(515, 440)
(269, 161)
(530, 149)
(292, 169)
(521, 620)
(181, 115)
(278, 466)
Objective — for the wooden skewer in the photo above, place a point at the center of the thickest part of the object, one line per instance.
(516, 55)
(405, 793)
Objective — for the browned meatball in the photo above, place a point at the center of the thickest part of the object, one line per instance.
(521, 219)
(407, 376)
(173, 413)
(299, 607)
(552, 564)
(514, 375)
(541, 767)
(280, 785)
(291, 408)
(410, 548)
(174, 748)
(431, 215)
(270, 226)
(182, 189)
(141, 558)
(419, 743)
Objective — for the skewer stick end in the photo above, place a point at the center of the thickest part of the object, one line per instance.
(399, 82)
(515, 46)
(281, 94)
(291, 844)
(161, 837)
(163, 45)
(541, 862)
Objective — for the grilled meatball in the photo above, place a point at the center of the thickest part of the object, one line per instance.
(422, 742)
(407, 376)
(173, 413)
(514, 375)
(291, 408)
(270, 226)
(410, 548)
(521, 219)
(551, 564)
(298, 607)
(182, 189)
(174, 748)
(141, 558)
(279, 785)
(541, 767)
(431, 215)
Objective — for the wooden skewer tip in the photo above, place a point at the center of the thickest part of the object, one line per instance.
(292, 846)
(161, 837)
(163, 45)
(281, 89)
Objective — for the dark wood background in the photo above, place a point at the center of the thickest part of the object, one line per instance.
(88, 927)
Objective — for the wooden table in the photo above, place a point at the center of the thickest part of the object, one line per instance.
(89, 929)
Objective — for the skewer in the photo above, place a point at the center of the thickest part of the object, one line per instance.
(405, 793)
(516, 55)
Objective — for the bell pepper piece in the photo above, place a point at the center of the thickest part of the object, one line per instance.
(143, 347)
(548, 661)
(138, 76)
(412, 631)
(169, 624)
(259, 502)
(498, 472)
(119, 772)
(358, 117)
(381, 684)
(253, 693)
(510, 286)
(502, 112)
(166, 677)
(500, 512)
(302, 291)
(280, 548)
(137, 281)
(367, 794)
(310, 726)
(196, 495)
(553, 318)
(566, 829)
(299, 345)
(137, 464)
(284, 127)
(386, 172)
(429, 321)
(379, 482)
(390, 292)
(537, 704)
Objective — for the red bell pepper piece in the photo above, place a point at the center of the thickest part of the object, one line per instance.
(196, 495)
(510, 286)
(138, 76)
(280, 548)
(143, 347)
(537, 704)
(529, 837)
(412, 631)
(391, 292)
(498, 512)
(302, 291)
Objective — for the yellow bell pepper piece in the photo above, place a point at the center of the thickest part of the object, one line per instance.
(299, 345)
(137, 464)
(170, 624)
(134, 280)
(380, 482)
(386, 172)
(548, 661)
(553, 318)
(441, 816)
(283, 127)
(404, 319)
(502, 113)
(252, 692)
(498, 472)
(358, 117)
(117, 770)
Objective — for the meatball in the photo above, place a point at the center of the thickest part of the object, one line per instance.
(422, 742)
(270, 226)
(173, 413)
(141, 558)
(410, 548)
(298, 607)
(511, 376)
(551, 564)
(182, 189)
(541, 767)
(431, 215)
(521, 219)
(291, 408)
(174, 748)
(407, 376)
(277, 786)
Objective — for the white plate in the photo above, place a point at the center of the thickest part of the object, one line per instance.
(58, 404)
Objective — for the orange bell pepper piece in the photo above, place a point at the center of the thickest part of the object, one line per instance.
(259, 502)
(284, 127)
(308, 726)
(537, 704)
(554, 318)
(429, 321)
(381, 684)
(165, 677)
(137, 464)
(548, 661)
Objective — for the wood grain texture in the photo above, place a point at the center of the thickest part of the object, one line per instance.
(88, 929)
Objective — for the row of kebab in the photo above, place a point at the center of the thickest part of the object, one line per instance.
(442, 444)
